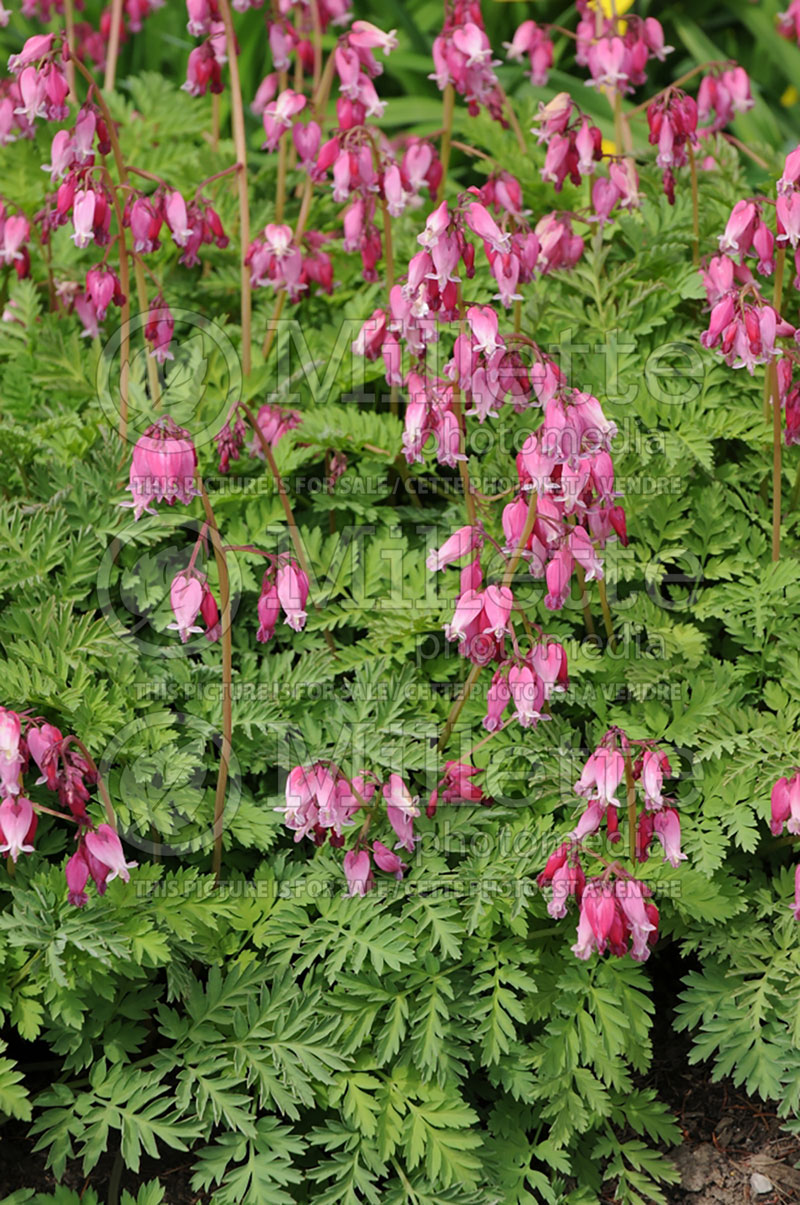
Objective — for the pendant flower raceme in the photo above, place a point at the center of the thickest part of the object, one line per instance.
(325, 805)
(616, 911)
(162, 467)
(28, 744)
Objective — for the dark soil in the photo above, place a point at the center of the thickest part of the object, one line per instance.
(728, 1137)
(20, 1167)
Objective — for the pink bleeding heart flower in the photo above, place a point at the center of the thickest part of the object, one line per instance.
(386, 859)
(469, 607)
(498, 603)
(292, 590)
(11, 754)
(159, 330)
(401, 811)
(162, 467)
(497, 699)
(76, 873)
(306, 139)
(43, 744)
(653, 767)
(34, 49)
(667, 827)
(17, 826)
(269, 610)
(365, 36)
(177, 219)
(598, 911)
(630, 895)
(186, 598)
(358, 872)
(83, 213)
(786, 805)
(558, 575)
(106, 847)
(459, 544)
(527, 695)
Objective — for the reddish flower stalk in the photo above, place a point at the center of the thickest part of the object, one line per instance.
(240, 142)
(114, 35)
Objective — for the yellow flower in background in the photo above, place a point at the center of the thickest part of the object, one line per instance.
(790, 96)
(610, 7)
(609, 147)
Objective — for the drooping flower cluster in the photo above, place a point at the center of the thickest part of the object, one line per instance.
(462, 56)
(789, 21)
(163, 467)
(574, 148)
(191, 596)
(616, 912)
(25, 743)
(278, 261)
(82, 194)
(616, 53)
(742, 324)
(284, 587)
(15, 231)
(273, 423)
(91, 43)
(457, 785)
(190, 225)
(41, 79)
(366, 169)
(672, 118)
(722, 94)
(566, 507)
(533, 41)
(483, 366)
(323, 804)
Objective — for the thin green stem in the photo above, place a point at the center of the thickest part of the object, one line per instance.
(455, 710)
